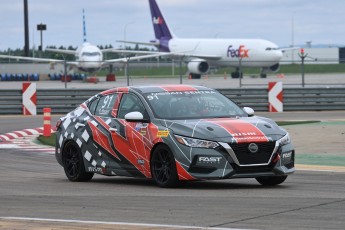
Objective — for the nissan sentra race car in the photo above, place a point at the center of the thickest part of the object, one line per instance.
(171, 133)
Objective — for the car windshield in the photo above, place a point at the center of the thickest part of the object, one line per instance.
(192, 105)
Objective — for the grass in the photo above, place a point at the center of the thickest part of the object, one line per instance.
(47, 140)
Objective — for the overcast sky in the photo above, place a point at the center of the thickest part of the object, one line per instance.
(319, 21)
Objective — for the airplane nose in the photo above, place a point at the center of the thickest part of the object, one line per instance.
(278, 54)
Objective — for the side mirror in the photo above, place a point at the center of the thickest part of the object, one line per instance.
(135, 117)
(249, 111)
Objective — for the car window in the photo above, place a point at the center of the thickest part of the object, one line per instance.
(131, 103)
(105, 105)
(192, 105)
(92, 105)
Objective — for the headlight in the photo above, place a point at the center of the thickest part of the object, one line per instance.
(285, 140)
(196, 143)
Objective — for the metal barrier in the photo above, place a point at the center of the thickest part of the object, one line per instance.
(62, 101)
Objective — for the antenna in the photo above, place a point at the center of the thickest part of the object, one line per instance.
(84, 26)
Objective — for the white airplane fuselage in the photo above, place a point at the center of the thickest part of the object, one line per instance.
(89, 58)
(230, 52)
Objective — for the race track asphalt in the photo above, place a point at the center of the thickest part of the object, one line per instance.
(35, 194)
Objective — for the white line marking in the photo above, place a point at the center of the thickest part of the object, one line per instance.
(8, 146)
(116, 223)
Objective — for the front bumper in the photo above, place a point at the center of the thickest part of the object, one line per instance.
(223, 162)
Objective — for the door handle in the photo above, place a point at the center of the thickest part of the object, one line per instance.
(113, 129)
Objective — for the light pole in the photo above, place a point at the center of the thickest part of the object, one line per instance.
(302, 55)
(41, 27)
(124, 33)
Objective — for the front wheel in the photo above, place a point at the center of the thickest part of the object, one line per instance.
(271, 180)
(163, 167)
(73, 164)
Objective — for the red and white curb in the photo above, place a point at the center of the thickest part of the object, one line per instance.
(22, 133)
(25, 140)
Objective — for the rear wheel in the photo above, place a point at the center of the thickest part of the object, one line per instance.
(73, 164)
(271, 180)
(163, 167)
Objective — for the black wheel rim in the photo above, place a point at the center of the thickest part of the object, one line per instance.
(71, 161)
(162, 163)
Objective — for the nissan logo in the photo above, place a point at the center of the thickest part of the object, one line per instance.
(253, 148)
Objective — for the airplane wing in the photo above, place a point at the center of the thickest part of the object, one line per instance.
(127, 59)
(30, 58)
(140, 43)
(289, 48)
(110, 50)
(72, 52)
(172, 54)
(46, 60)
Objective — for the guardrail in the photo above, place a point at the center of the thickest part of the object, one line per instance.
(62, 101)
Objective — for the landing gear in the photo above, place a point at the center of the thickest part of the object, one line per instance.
(194, 76)
(236, 74)
(263, 75)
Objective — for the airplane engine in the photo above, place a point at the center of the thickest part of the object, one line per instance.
(198, 66)
(274, 68)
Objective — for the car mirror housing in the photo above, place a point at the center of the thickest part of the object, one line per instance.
(135, 117)
(249, 111)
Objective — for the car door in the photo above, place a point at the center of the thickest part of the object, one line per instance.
(130, 138)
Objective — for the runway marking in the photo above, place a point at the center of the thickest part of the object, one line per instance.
(127, 224)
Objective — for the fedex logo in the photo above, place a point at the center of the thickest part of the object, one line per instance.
(240, 52)
(157, 20)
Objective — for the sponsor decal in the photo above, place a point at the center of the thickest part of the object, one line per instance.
(209, 159)
(241, 52)
(141, 162)
(95, 169)
(287, 155)
(244, 134)
(163, 133)
(157, 20)
(155, 96)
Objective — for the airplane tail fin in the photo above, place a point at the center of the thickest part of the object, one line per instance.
(159, 24)
(84, 27)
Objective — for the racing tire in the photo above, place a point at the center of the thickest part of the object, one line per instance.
(73, 164)
(163, 167)
(271, 180)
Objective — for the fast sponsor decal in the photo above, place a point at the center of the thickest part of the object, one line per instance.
(287, 155)
(241, 52)
(209, 159)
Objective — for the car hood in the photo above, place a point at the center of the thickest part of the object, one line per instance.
(242, 129)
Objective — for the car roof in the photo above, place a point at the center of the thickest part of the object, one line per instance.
(156, 89)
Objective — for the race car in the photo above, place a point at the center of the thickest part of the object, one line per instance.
(170, 134)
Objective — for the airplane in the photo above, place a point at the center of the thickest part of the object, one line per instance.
(88, 57)
(201, 53)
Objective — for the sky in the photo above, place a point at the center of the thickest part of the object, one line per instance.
(284, 22)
